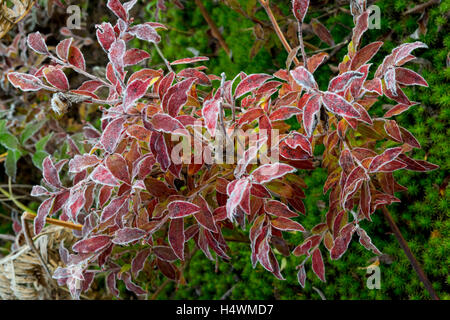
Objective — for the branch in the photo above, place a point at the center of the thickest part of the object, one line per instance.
(265, 4)
(421, 7)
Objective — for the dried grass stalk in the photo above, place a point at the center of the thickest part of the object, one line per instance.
(11, 12)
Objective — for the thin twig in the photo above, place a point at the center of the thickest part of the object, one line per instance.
(265, 4)
(163, 58)
(212, 25)
(421, 7)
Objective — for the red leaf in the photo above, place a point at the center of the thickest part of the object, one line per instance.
(409, 77)
(91, 245)
(139, 132)
(135, 56)
(269, 172)
(338, 105)
(342, 241)
(160, 150)
(145, 32)
(316, 60)
(117, 165)
(310, 114)
(301, 275)
(90, 86)
(210, 112)
(250, 83)
(317, 264)
(393, 130)
(112, 133)
(176, 237)
(189, 60)
(279, 209)
(251, 115)
(116, 54)
(343, 81)
(56, 78)
(296, 139)
(134, 91)
(365, 54)
(80, 163)
(286, 224)
(127, 235)
(405, 49)
(382, 159)
(50, 173)
(176, 96)
(236, 191)
(165, 253)
(322, 32)
(304, 78)
(202, 79)
(76, 58)
(396, 110)
(365, 199)
(102, 175)
(408, 138)
(118, 9)
(42, 213)
(165, 123)
(25, 82)
(180, 209)
(105, 35)
(362, 25)
(299, 8)
(366, 242)
(126, 277)
(284, 113)
(62, 49)
(116, 205)
(36, 42)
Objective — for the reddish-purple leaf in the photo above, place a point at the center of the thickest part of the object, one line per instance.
(50, 173)
(316, 60)
(180, 209)
(201, 78)
(304, 78)
(134, 91)
(310, 114)
(92, 245)
(90, 86)
(391, 83)
(56, 78)
(210, 112)
(342, 81)
(396, 110)
(285, 224)
(116, 54)
(176, 237)
(250, 116)
(279, 209)
(111, 284)
(362, 25)
(366, 242)
(117, 165)
(250, 83)
(165, 253)
(408, 138)
(405, 49)
(301, 275)
(318, 265)
(189, 60)
(145, 32)
(298, 140)
(114, 207)
(269, 172)
(322, 32)
(160, 150)
(25, 82)
(165, 123)
(393, 130)
(365, 199)
(134, 56)
(365, 54)
(284, 113)
(409, 77)
(128, 235)
(338, 105)
(36, 42)
(236, 192)
(42, 213)
(102, 175)
(105, 35)
(118, 9)
(342, 241)
(63, 48)
(176, 96)
(126, 277)
(76, 58)
(112, 133)
(382, 159)
(80, 163)
(299, 8)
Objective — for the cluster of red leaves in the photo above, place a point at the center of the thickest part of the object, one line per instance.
(126, 190)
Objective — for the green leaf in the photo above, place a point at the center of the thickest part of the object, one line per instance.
(40, 145)
(2, 125)
(9, 141)
(30, 130)
(38, 158)
(11, 164)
